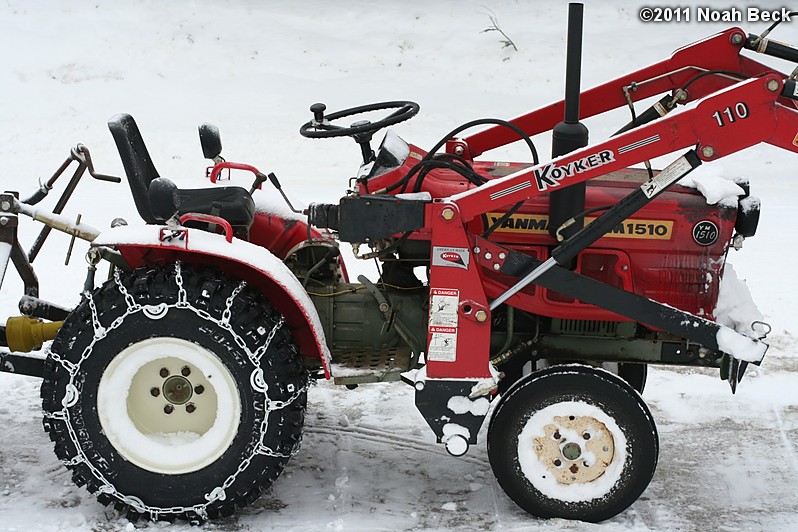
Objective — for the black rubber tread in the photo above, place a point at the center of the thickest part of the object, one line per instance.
(252, 319)
(583, 383)
(635, 374)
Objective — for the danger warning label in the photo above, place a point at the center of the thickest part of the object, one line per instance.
(443, 307)
(443, 324)
(442, 344)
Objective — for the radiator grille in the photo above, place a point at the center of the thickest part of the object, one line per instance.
(585, 327)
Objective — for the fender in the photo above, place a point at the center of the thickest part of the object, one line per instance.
(153, 244)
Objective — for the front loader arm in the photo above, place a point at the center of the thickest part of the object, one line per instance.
(720, 52)
(718, 125)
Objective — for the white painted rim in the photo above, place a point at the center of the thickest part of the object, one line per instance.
(543, 475)
(195, 432)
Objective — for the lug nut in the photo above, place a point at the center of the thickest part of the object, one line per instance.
(168, 409)
(155, 392)
(186, 371)
(190, 408)
(164, 372)
(199, 388)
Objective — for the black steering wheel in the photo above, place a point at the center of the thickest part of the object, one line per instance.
(321, 128)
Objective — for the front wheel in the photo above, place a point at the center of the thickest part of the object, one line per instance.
(174, 392)
(574, 442)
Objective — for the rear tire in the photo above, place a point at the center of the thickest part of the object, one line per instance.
(573, 441)
(174, 392)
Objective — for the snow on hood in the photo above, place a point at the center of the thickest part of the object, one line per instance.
(717, 189)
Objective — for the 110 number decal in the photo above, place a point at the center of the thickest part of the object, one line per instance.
(731, 114)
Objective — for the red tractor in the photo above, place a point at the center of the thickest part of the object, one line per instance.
(177, 387)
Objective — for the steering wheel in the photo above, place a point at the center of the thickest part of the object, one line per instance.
(321, 128)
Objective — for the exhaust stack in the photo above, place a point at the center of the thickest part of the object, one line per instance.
(570, 134)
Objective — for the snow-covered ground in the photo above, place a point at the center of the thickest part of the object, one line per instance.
(368, 462)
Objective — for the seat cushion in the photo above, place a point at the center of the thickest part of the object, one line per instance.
(234, 204)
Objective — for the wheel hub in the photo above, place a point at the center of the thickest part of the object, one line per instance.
(177, 390)
(168, 405)
(575, 449)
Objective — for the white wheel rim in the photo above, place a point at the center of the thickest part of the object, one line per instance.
(177, 429)
(572, 451)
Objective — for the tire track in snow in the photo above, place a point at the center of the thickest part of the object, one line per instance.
(785, 441)
(380, 436)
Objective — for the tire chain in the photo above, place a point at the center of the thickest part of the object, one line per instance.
(71, 396)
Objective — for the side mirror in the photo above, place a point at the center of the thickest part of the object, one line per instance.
(164, 199)
(211, 141)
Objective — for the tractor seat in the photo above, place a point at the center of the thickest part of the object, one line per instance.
(234, 204)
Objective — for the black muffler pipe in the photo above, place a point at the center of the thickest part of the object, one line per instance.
(570, 134)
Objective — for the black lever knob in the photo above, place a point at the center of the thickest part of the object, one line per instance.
(318, 112)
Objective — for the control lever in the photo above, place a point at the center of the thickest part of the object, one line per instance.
(258, 183)
(318, 113)
(276, 183)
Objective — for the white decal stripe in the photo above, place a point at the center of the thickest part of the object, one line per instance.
(515, 188)
(639, 144)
